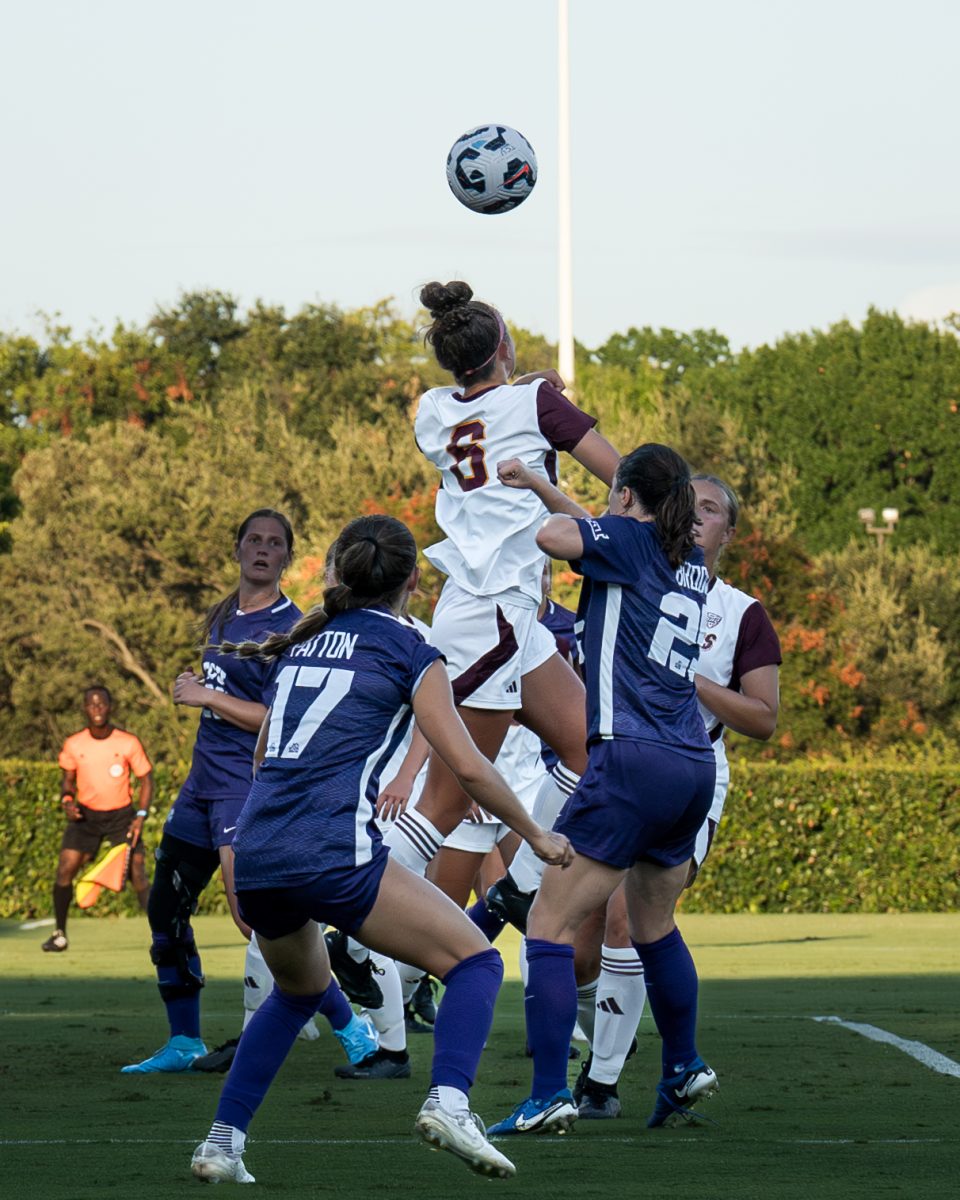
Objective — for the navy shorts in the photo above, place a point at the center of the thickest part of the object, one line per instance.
(638, 801)
(341, 896)
(207, 823)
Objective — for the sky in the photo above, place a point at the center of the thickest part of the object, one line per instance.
(757, 166)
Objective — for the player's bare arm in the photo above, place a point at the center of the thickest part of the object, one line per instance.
(144, 798)
(190, 690)
(560, 537)
(594, 452)
(753, 710)
(395, 795)
(516, 474)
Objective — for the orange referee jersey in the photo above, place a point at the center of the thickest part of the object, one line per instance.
(103, 767)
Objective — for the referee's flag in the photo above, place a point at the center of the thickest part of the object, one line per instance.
(109, 871)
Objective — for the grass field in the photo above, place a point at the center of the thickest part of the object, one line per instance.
(806, 1109)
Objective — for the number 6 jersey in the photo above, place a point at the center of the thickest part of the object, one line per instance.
(641, 636)
(490, 548)
(341, 705)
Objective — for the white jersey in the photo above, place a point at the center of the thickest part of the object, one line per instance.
(737, 638)
(490, 548)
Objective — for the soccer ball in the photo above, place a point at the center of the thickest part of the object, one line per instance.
(491, 169)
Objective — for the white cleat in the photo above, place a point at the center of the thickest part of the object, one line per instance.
(213, 1165)
(462, 1134)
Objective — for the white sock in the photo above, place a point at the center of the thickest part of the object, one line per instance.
(257, 986)
(586, 1008)
(413, 841)
(526, 870)
(388, 1018)
(257, 980)
(230, 1139)
(410, 977)
(450, 1099)
(621, 993)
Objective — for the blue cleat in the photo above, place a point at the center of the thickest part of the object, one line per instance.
(177, 1055)
(357, 1039)
(554, 1115)
(676, 1095)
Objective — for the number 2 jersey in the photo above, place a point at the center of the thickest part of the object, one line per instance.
(641, 636)
(341, 705)
(490, 547)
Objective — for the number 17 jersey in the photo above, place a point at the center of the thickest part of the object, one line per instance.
(490, 548)
(340, 707)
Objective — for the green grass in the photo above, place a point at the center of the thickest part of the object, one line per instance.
(806, 1109)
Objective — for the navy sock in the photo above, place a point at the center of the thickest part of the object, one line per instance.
(464, 1019)
(264, 1044)
(550, 1001)
(183, 1007)
(672, 993)
(489, 924)
(335, 1007)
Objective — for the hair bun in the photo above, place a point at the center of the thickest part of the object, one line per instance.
(440, 298)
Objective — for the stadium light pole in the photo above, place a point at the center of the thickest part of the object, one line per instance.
(881, 532)
(565, 363)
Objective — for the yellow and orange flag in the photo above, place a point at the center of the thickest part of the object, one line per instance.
(109, 871)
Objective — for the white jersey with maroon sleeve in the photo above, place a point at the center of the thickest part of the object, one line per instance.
(737, 638)
(490, 548)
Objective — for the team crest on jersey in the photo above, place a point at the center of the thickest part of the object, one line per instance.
(713, 620)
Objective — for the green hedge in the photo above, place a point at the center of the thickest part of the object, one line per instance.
(795, 838)
(805, 837)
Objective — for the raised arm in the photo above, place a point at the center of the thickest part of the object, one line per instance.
(594, 452)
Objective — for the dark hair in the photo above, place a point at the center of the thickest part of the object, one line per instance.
(660, 480)
(466, 333)
(373, 557)
(217, 615)
(97, 687)
(729, 495)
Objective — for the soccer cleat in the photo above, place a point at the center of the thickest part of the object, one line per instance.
(462, 1134)
(56, 942)
(677, 1094)
(179, 1054)
(378, 1065)
(213, 1165)
(423, 1003)
(596, 1105)
(357, 1039)
(218, 1061)
(554, 1115)
(356, 978)
(506, 900)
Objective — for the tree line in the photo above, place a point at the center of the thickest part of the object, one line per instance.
(127, 460)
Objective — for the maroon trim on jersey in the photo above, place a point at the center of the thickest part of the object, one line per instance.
(561, 422)
(757, 644)
(462, 399)
(488, 664)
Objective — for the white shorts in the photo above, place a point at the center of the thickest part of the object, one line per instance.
(705, 836)
(489, 646)
(476, 837)
(520, 764)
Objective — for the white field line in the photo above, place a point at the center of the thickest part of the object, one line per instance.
(919, 1050)
(406, 1141)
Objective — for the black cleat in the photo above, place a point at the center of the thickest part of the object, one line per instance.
(423, 1003)
(506, 900)
(358, 979)
(56, 942)
(218, 1061)
(378, 1065)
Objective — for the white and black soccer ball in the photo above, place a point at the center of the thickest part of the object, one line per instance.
(491, 169)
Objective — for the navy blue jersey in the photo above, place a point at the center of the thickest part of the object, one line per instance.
(341, 705)
(641, 636)
(223, 752)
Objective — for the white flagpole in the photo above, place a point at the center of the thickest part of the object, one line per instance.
(565, 247)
